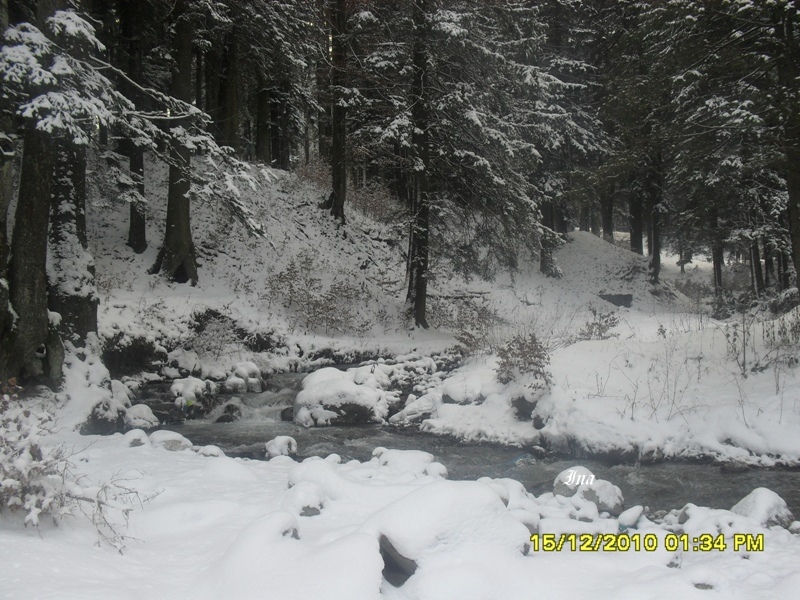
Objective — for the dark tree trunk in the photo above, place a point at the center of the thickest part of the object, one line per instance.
(420, 225)
(263, 121)
(769, 265)
(72, 292)
(213, 66)
(607, 212)
(31, 350)
(338, 110)
(130, 21)
(594, 221)
(199, 71)
(137, 230)
(228, 114)
(793, 189)
(177, 255)
(758, 273)
(655, 245)
(323, 74)
(7, 151)
(547, 263)
(654, 191)
(717, 260)
(637, 230)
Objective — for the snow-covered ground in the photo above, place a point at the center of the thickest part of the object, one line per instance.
(659, 379)
(203, 525)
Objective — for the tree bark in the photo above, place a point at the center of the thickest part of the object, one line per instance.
(71, 267)
(758, 273)
(338, 110)
(607, 212)
(25, 352)
(7, 152)
(228, 124)
(323, 73)
(636, 228)
(130, 17)
(263, 121)
(654, 189)
(177, 256)
(420, 225)
(769, 264)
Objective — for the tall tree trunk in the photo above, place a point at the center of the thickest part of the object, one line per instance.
(420, 227)
(130, 17)
(788, 72)
(199, 71)
(655, 192)
(71, 266)
(177, 255)
(323, 74)
(338, 110)
(769, 265)
(263, 121)
(31, 350)
(793, 189)
(213, 66)
(636, 227)
(229, 109)
(758, 273)
(607, 212)
(594, 221)
(7, 152)
(547, 263)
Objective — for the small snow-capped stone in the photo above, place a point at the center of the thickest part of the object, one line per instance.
(282, 445)
(170, 440)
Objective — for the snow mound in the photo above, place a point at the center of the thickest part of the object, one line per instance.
(447, 522)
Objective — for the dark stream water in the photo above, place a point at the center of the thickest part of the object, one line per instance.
(662, 486)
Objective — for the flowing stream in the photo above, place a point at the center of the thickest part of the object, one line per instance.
(662, 486)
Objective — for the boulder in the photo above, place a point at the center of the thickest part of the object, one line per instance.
(231, 412)
(766, 507)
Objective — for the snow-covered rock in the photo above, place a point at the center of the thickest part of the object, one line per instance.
(191, 390)
(282, 445)
(169, 440)
(338, 400)
(766, 507)
(417, 409)
(251, 375)
(140, 416)
(463, 388)
(569, 480)
(605, 495)
(135, 438)
(306, 499)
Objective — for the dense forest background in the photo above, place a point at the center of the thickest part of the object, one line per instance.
(491, 126)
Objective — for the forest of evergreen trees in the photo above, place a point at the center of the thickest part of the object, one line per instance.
(496, 125)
